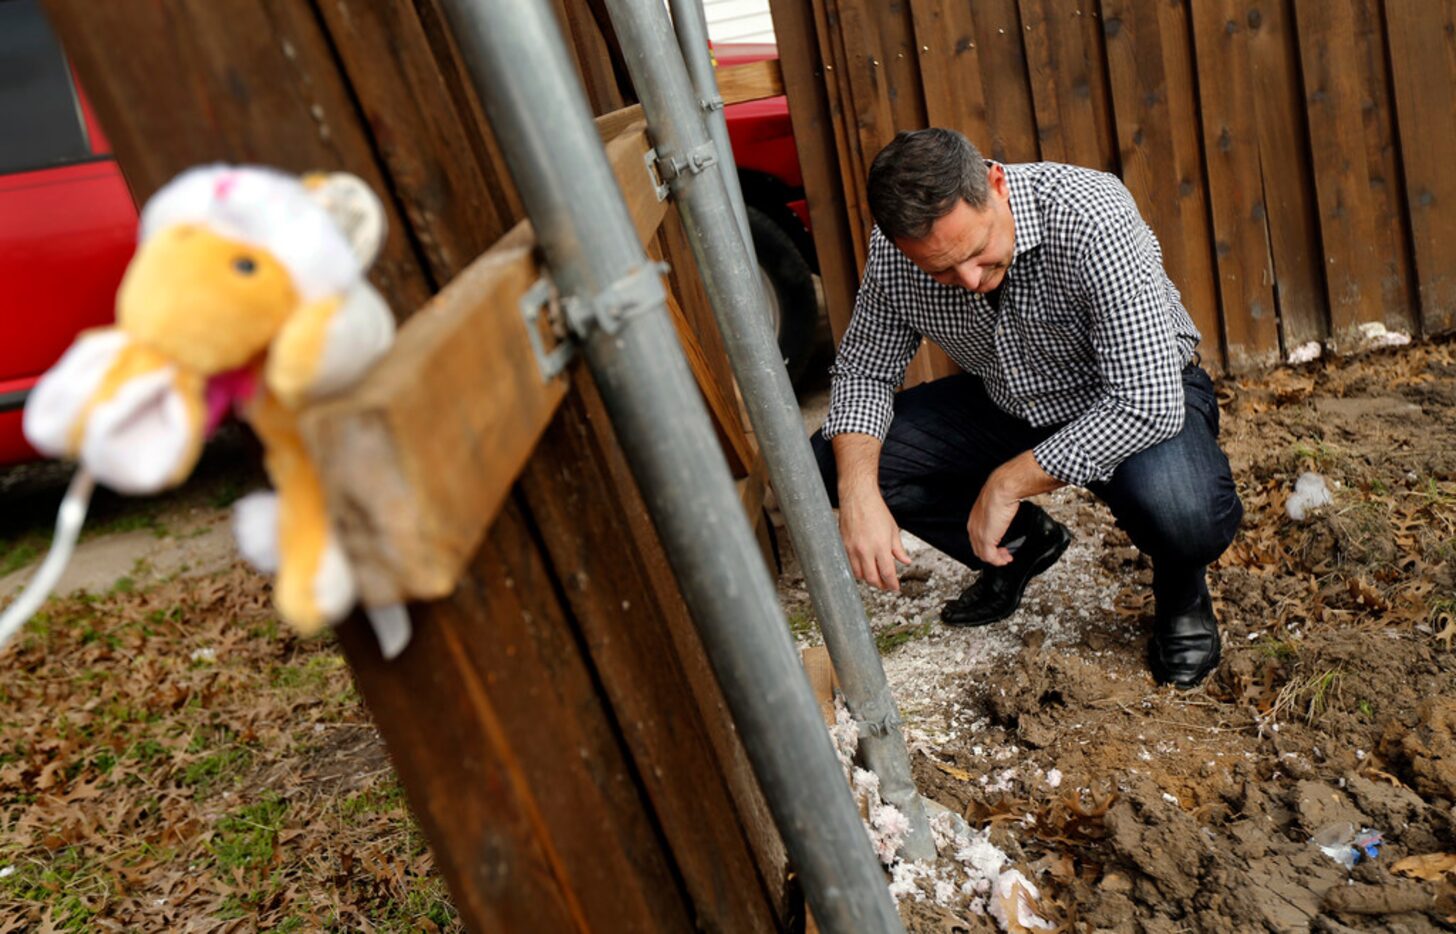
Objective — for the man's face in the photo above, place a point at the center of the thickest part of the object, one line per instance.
(969, 247)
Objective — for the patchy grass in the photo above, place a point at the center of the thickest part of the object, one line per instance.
(802, 625)
(16, 555)
(143, 789)
(890, 639)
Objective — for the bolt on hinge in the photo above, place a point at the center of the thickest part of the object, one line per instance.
(699, 160)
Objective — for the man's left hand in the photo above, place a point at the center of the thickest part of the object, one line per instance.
(996, 506)
(990, 518)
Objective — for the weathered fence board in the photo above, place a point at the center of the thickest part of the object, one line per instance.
(1290, 154)
(1236, 196)
(507, 716)
(1342, 173)
(1284, 160)
(1064, 55)
(814, 137)
(1423, 62)
(1157, 125)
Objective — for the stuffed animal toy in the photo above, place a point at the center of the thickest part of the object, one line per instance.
(247, 293)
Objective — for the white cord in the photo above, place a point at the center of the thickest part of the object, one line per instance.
(391, 626)
(69, 520)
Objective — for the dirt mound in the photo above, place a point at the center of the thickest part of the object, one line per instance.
(1139, 809)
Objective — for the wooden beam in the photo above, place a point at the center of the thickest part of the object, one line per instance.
(752, 81)
(416, 459)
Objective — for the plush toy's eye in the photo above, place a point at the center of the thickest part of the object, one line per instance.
(245, 265)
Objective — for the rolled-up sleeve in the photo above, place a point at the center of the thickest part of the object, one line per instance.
(1139, 359)
(872, 357)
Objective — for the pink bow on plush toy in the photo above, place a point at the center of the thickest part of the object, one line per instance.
(247, 293)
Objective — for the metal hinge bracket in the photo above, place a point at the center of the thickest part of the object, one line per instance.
(542, 296)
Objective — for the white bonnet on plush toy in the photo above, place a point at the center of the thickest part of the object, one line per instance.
(298, 225)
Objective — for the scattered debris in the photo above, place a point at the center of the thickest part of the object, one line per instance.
(1310, 493)
(1307, 352)
(1341, 843)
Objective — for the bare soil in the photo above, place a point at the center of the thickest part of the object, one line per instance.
(1136, 808)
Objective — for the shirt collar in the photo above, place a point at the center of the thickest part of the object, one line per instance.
(1023, 209)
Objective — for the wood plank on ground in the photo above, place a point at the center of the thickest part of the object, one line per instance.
(1285, 173)
(1148, 56)
(1423, 65)
(1352, 261)
(814, 138)
(1064, 60)
(1230, 132)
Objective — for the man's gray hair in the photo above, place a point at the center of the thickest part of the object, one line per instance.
(918, 178)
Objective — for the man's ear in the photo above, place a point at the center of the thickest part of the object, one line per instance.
(354, 207)
(996, 180)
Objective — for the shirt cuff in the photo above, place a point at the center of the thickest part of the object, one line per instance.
(1067, 460)
(861, 416)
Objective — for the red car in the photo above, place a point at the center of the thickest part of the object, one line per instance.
(773, 189)
(68, 223)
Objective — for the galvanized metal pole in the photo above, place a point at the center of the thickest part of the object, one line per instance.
(692, 37)
(615, 302)
(686, 159)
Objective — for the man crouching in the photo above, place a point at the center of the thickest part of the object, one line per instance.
(1045, 285)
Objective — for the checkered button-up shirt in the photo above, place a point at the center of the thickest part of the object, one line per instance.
(1090, 334)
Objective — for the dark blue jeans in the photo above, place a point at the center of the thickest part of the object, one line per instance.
(1176, 500)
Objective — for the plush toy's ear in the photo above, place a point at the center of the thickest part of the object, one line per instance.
(354, 207)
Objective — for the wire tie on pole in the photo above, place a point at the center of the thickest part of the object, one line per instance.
(712, 103)
(880, 727)
(638, 291)
(699, 160)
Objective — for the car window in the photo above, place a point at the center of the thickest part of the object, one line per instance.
(40, 120)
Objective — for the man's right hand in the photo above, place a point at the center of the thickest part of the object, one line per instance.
(871, 537)
(872, 540)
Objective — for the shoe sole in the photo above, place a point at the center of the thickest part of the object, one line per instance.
(1044, 561)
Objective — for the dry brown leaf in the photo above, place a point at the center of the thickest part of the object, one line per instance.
(1432, 867)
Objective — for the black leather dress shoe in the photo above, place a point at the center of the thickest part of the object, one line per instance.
(1185, 647)
(996, 594)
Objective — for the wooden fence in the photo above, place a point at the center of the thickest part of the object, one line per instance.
(1297, 158)
(556, 725)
